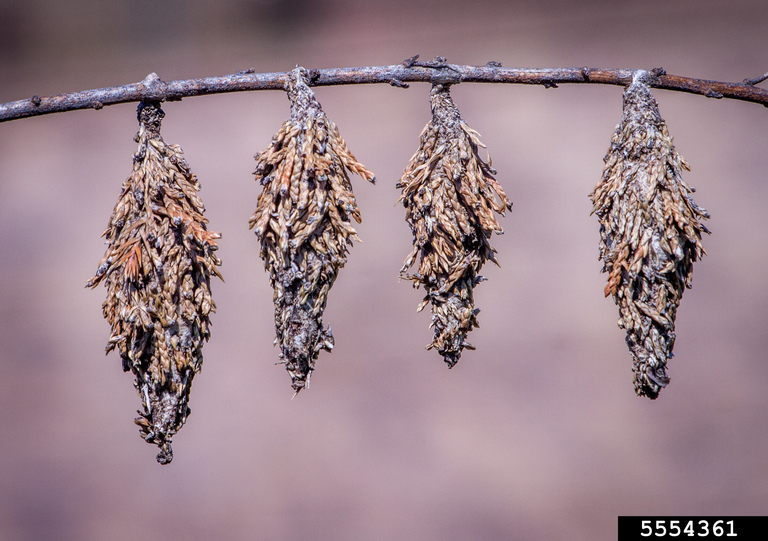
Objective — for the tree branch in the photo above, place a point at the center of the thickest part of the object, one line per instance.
(412, 70)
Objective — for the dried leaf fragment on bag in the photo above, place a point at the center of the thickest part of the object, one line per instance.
(157, 267)
(451, 199)
(303, 223)
(650, 234)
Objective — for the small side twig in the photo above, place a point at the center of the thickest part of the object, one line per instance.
(757, 80)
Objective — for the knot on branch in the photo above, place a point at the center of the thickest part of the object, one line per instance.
(156, 88)
(444, 73)
(647, 78)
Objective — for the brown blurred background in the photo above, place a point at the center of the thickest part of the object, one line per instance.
(537, 435)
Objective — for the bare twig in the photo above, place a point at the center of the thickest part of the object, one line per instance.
(756, 80)
(412, 70)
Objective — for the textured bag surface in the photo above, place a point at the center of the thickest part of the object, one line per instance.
(157, 269)
(451, 198)
(303, 222)
(650, 234)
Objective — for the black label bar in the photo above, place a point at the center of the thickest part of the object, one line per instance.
(747, 528)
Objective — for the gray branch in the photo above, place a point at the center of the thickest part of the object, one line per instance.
(410, 71)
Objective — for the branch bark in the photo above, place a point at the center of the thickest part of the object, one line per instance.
(152, 88)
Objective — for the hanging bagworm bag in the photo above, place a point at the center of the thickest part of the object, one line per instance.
(159, 260)
(650, 234)
(303, 223)
(451, 199)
